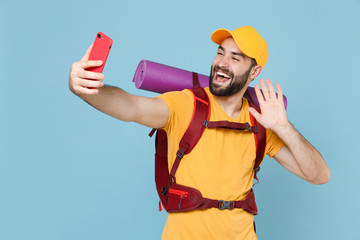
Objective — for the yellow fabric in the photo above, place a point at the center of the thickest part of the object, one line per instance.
(220, 166)
(248, 40)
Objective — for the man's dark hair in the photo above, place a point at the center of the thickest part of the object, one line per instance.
(253, 62)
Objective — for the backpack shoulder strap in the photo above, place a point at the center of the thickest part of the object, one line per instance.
(195, 129)
(201, 113)
(192, 135)
(260, 136)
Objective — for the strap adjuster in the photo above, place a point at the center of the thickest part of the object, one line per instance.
(205, 123)
(253, 129)
(225, 205)
(248, 127)
(180, 153)
(164, 190)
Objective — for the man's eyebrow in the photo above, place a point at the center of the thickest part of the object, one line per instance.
(233, 53)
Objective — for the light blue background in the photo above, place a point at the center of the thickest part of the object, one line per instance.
(70, 172)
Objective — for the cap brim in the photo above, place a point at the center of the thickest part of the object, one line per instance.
(220, 35)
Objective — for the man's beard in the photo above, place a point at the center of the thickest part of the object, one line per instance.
(237, 83)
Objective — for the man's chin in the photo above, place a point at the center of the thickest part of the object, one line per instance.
(218, 90)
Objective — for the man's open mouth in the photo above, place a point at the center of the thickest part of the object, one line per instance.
(221, 77)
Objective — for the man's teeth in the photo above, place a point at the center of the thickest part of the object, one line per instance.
(223, 74)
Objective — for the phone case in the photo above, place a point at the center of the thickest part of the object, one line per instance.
(100, 50)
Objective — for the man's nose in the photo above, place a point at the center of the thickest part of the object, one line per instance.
(224, 62)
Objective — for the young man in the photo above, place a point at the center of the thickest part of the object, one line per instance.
(221, 164)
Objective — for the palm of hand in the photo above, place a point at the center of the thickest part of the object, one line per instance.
(273, 114)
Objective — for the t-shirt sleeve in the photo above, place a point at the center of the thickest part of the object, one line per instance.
(273, 143)
(180, 104)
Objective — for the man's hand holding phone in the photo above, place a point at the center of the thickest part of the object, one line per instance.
(86, 75)
(83, 81)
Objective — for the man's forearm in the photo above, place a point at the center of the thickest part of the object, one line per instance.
(112, 101)
(309, 160)
(151, 112)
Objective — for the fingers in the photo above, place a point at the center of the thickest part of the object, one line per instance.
(255, 113)
(279, 90)
(90, 83)
(78, 71)
(86, 91)
(85, 64)
(264, 89)
(90, 75)
(85, 86)
(267, 95)
(259, 95)
(272, 93)
(82, 81)
(268, 89)
(280, 93)
(86, 79)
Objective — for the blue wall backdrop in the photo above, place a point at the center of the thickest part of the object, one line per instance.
(70, 172)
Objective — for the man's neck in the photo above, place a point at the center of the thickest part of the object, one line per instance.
(232, 105)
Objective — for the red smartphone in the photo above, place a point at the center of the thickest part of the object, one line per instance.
(100, 51)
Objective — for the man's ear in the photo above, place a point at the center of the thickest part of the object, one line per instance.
(255, 71)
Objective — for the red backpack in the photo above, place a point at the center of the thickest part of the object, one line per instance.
(178, 198)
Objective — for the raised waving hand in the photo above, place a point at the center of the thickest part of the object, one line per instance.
(273, 113)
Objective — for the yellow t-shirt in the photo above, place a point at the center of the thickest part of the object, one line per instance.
(220, 166)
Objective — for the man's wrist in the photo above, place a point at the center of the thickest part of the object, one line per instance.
(283, 130)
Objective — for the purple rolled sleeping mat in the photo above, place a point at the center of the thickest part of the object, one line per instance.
(159, 78)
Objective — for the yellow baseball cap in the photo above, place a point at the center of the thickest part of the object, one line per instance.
(248, 40)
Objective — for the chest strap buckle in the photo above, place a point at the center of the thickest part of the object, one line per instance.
(225, 205)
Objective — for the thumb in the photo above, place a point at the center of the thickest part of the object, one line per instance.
(255, 113)
(87, 54)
